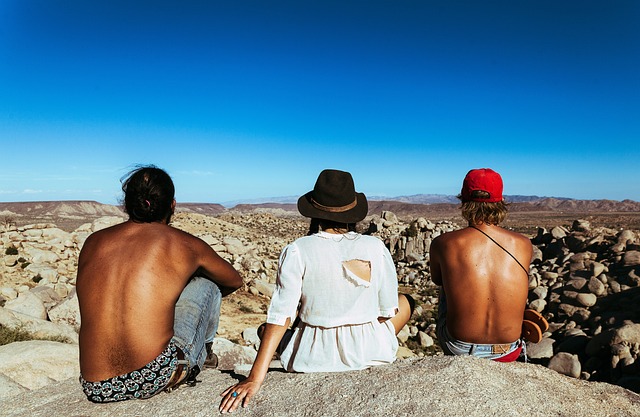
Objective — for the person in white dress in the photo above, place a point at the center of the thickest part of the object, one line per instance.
(338, 287)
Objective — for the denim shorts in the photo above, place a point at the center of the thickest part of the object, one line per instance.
(197, 315)
(452, 346)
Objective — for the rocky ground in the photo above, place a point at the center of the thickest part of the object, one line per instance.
(584, 278)
(439, 386)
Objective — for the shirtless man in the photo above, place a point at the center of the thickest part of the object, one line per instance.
(149, 297)
(483, 271)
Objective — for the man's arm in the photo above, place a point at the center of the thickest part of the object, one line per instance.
(217, 269)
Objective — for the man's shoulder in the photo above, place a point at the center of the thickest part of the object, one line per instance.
(110, 232)
(514, 235)
(183, 236)
(451, 236)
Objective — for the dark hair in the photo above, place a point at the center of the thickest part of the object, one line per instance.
(320, 224)
(148, 194)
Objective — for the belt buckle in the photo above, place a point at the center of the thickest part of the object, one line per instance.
(499, 349)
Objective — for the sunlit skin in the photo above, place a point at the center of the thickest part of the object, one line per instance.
(486, 289)
(129, 279)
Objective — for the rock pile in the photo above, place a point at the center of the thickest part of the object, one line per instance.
(584, 280)
(409, 244)
(39, 267)
(250, 242)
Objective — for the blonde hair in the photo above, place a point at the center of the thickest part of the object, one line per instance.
(484, 213)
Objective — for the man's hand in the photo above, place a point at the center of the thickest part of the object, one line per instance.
(238, 394)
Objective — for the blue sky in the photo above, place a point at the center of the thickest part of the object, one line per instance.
(251, 99)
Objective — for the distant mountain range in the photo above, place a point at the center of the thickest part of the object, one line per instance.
(412, 199)
(78, 209)
(71, 214)
(441, 198)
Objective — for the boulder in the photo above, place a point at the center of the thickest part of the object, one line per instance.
(580, 226)
(587, 299)
(9, 387)
(250, 336)
(541, 350)
(538, 305)
(425, 339)
(625, 237)
(39, 256)
(230, 354)
(596, 286)
(42, 329)
(566, 364)
(36, 363)
(558, 232)
(8, 293)
(263, 287)
(67, 311)
(448, 386)
(235, 246)
(631, 258)
(29, 304)
(628, 334)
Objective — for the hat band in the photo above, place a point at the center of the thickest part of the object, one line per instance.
(342, 209)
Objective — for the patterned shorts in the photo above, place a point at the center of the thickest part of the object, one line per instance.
(142, 383)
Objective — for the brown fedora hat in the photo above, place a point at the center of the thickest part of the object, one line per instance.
(334, 198)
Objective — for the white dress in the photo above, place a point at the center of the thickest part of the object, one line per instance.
(339, 329)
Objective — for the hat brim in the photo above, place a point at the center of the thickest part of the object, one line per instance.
(353, 215)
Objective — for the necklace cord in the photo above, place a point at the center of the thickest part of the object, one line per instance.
(501, 247)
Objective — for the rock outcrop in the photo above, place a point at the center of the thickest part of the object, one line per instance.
(35, 364)
(447, 386)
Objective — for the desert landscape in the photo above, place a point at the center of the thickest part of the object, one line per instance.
(584, 277)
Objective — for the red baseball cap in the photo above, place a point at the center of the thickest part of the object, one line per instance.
(482, 179)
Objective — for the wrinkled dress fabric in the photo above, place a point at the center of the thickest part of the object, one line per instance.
(338, 310)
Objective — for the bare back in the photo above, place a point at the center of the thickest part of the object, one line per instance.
(129, 279)
(486, 289)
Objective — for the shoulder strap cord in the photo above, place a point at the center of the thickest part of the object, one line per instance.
(524, 345)
(500, 246)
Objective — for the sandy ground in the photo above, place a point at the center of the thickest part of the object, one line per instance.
(239, 311)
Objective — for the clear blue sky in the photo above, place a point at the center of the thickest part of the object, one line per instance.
(250, 99)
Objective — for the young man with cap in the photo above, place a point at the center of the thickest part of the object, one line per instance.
(340, 284)
(483, 273)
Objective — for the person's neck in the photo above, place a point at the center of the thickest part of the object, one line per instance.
(482, 225)
(336, 230)
(163, 221)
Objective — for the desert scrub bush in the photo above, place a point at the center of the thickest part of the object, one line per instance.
(37, 278)
(246, 309)
(11, 250)
(19, 334)
(7, 221)
(412, 230)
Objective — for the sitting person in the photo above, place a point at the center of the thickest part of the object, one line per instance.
(149, 297)
(482, 273)
(344, 288)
